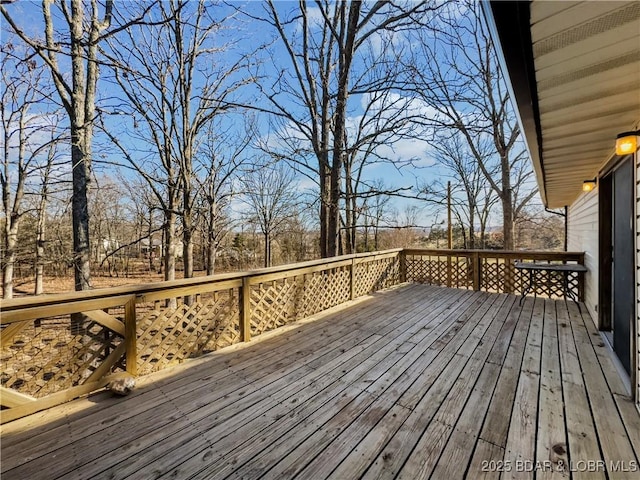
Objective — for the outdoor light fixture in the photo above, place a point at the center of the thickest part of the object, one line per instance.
(627, 142)
(589, 185)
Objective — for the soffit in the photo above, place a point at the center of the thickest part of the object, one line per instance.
(587, 69)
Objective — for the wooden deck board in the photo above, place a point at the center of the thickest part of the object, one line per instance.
(414, 382)
(551, 437)
(223, 378)
(363, 361)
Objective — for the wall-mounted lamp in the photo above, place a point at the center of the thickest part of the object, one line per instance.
(589, 185)
(627, 142)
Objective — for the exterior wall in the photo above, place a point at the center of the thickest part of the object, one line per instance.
(582, 236)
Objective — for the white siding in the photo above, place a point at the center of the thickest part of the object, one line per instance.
(582, 236)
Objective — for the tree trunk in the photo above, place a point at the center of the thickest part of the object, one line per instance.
(80, 160)
(507, 219)
(80, 223)
(211, 258)
(9, 262)
(366, 236)
(348, 34)
(12, 215)
(187, 249)
(211, 236)
(472, 227)
(152, 252)
(483, 232)
(325, 187)
(267, 250)
(170, 253)
(187, 246)
(80, 214)
(349, 213)
(170, 247)
(40, 241)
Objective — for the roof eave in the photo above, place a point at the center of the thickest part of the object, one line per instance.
(509, 27)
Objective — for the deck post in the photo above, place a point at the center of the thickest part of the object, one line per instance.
(508, 275)
(476, 265)
(403, 266)
(130, 337)
(245, 311)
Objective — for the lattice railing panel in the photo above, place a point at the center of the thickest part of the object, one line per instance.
(273, 304)
(371, 276)
(324, 290)
(573, 284)
(461, 272)
(279, 302)
(46, 356)
(496, 274)
(439, 270)
(430, 270)
(550, 284)
(493, 275)
(500, 275)
(171, 332)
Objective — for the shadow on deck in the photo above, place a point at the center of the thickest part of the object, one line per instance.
(413, 382)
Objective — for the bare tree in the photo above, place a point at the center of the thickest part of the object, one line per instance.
(538, 229)
(270, 193)
(471, 200)
(148, 214)
(220, 160)
(176, 79)
(404, 225)
(310, 97)
(456, 73)
(47, 177)
(73, 37)
(375, 210)
(387, 118)
(30, 134)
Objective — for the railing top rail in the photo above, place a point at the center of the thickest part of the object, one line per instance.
(140, 290)
(313, 263)
(532, 254)
(263, 273)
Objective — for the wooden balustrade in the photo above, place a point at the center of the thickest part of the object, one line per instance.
(59, 347)
(489, 270)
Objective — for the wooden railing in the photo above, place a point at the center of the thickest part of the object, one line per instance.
(59, 347)
(490, 270)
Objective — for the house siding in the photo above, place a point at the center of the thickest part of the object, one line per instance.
(582, 236)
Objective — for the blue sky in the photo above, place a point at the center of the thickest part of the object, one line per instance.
(398, 172)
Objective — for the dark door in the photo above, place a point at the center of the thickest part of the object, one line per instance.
(622, 271)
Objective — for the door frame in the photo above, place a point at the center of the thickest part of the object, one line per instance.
(605, 260)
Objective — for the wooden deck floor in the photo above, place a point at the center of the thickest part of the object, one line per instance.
(415, 382)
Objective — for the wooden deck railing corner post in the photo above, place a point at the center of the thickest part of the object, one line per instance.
(403, 266)
(477, 274)
(131, 337)
(509, 269)
(245, 310)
